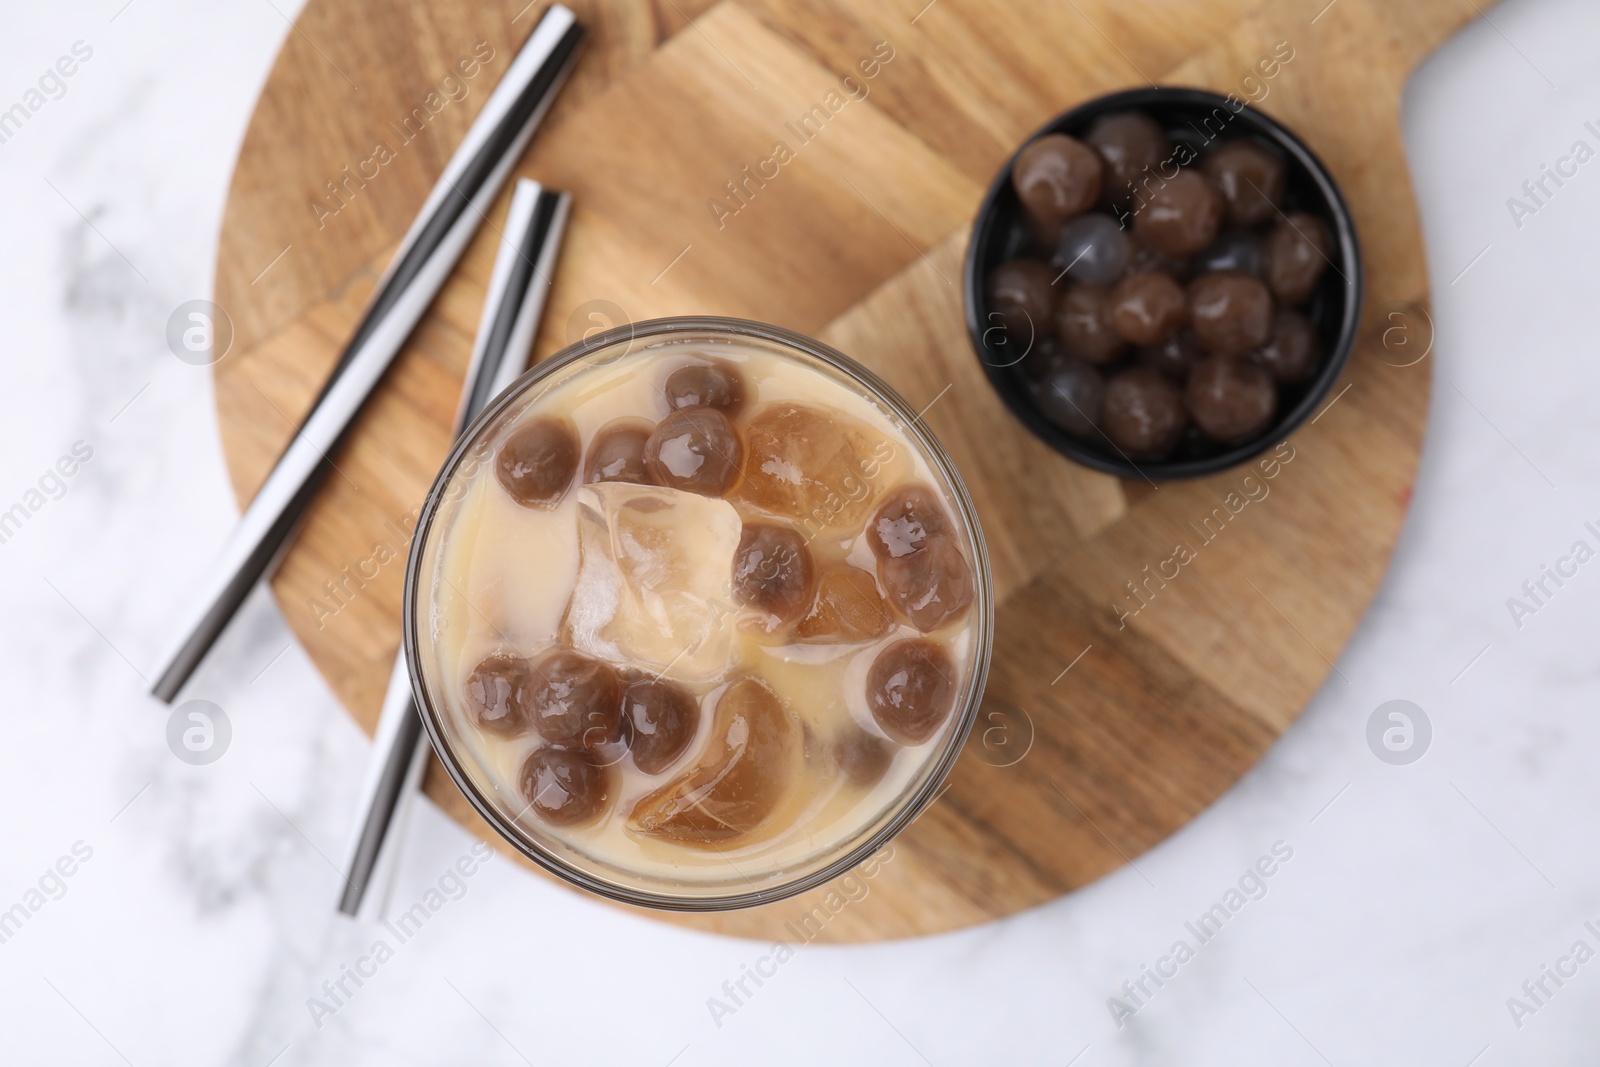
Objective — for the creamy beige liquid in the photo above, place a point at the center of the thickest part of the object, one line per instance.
(505, 574)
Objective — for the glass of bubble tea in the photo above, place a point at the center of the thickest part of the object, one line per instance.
(698, 614)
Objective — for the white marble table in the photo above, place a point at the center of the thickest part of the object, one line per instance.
(196, 923)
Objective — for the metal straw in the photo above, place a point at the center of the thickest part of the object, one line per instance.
(448, 220)
(511, 311)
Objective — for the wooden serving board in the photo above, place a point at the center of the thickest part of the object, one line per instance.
(1099, 737)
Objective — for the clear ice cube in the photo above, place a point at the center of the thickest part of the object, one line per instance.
(821, 469)
(655, 580)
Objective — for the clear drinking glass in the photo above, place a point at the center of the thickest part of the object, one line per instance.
(741, 877)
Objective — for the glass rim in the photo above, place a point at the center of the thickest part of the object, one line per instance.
(654, 330)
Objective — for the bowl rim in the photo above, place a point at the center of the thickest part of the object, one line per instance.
(1349, 264)
(652, 331)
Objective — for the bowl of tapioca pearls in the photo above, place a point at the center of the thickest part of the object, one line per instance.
(1163, 283)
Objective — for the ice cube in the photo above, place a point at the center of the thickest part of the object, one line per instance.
(745, 775)
(655, 580)
(848, 609)
(822, 469)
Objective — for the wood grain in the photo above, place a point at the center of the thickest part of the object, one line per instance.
(859, 240)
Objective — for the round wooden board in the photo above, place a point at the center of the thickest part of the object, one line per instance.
(1100, 735)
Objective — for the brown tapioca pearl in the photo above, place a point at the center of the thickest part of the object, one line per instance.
(1022, 301)
(1143, 414)
(660, 719)
(536, 463)
(565, 786)
(1250, 178)
(773, 572)
(1146, 309)
(1232, 400)
(1175, 357)
(848, 609)
(862, 758)
(1229, 312)
(696, 450)
(1181, 215)
(1292, 352)
(1131, 143)
(1083, 325)
(906, 520)
(499, 694)
(1069, 392)
(576, 700)
(706, 385)
(911, 689)
(1298, 250)
(617, 453)
(931, 587)
(1057, 177)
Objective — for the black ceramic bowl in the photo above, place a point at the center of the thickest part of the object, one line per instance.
(1189, 116)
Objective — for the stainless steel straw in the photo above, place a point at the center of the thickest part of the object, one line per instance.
(449, 218)
(511, 311)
